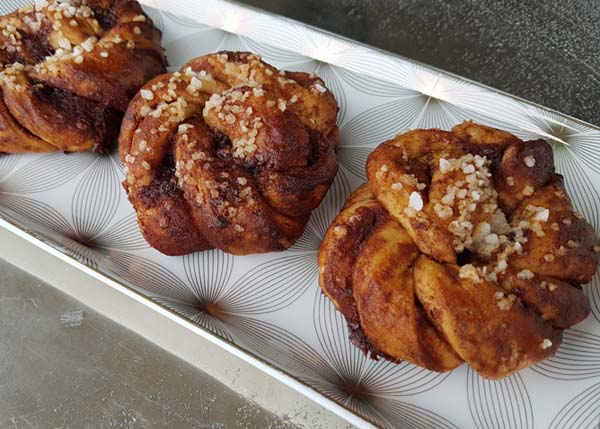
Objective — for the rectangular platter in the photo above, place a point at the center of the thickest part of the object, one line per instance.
(268, 309)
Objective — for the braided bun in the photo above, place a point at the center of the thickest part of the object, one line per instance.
(464, 246)
(228, 153)
(68, 71)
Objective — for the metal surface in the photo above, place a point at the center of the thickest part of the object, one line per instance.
(545, 51)
(63, 365)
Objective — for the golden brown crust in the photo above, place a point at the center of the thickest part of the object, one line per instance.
(241, 150)
(62, 80)
(164, 215)
(514, 176)
(390, 315)
(363, 281)
(341, 244)
(12, 135)
(560, 303)
(494, 341)
(338, 252)
(482, 140)
(562, 246)
(400, 167)
(476, 232)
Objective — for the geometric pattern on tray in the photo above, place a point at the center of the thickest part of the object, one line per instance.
(271, 305)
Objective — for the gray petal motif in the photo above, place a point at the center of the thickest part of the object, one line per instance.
(582, 141)
(593, 293)
(382, 122)
(578, 357)
(96, 198)
(93, 250)
(208, 274)
(398, 414)
(46, 172)
(146, 275)
(332, 81)
(82, 253)
(286, 350)
(39, 214)
(585, 144)
(93, 206)
(272, 285)
(499, 403)
(353, 367)
(8, 6)
(354, 159)
(372, 86)
(232, 42)
(183, 20)
(7, 163)
(198, 315)
(267, 287)
(297, 357)
(372, 388)
(583, 411)
(47, 224)
(304, 41)
(205, 41)
(208, 296)
(124, 234)
(277, 56)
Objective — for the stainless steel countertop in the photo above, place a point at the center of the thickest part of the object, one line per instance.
(62, 365)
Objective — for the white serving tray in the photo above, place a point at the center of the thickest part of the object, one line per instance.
(270, 312)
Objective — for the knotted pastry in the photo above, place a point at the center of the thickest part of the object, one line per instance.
(228, 153)
(463, 246)
(68, 71)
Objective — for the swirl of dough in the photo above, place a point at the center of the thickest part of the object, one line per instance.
(229, 153)
(68, 70)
